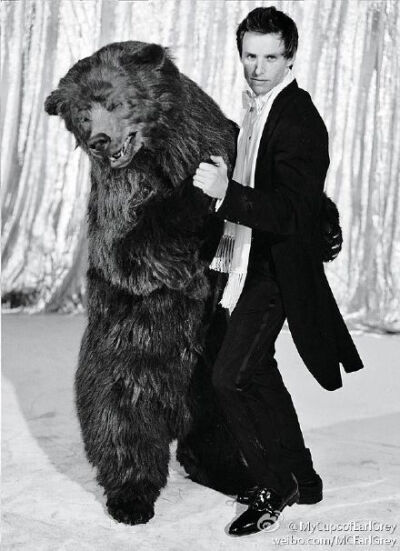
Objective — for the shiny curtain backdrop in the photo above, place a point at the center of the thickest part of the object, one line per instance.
(347, 60)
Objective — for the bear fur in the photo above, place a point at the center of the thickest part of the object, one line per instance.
(154, 327)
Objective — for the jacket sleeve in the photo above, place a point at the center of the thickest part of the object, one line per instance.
(292, 200)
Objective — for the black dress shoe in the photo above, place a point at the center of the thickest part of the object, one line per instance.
(310, 492)
(263, 511)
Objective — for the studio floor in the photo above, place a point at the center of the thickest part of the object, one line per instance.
(51, 502)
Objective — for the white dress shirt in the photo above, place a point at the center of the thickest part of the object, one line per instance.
(255, 117)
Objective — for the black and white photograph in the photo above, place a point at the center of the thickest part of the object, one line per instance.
(200, 275)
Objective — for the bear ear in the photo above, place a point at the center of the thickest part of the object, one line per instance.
(54, 103)
(149, 54)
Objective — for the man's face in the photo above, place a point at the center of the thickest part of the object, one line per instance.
(263, 61)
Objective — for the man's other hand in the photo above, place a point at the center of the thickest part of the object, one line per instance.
(212, 179)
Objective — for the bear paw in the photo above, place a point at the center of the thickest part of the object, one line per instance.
(130, 512)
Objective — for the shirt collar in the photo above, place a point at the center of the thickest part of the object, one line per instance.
(251, 100)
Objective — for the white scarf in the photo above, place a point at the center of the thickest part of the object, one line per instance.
(233, 251)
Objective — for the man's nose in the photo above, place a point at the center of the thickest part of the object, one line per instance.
(99, 142)
(259, 67)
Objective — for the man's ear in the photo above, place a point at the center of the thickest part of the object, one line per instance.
(54, 103)
(150, 54)
(290, 61)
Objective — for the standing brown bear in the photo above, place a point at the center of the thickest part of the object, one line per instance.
(144, 374)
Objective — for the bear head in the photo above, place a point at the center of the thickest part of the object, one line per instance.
(123, 98)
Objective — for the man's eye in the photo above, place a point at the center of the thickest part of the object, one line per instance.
(250, 56)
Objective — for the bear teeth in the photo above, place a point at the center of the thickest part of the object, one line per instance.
(122, 151)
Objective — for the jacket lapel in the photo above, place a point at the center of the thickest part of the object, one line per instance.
(279, 104)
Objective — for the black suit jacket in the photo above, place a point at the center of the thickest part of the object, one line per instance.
(284, 207)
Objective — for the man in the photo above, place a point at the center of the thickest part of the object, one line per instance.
(271, 209)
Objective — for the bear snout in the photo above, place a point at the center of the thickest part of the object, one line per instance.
(99, 143)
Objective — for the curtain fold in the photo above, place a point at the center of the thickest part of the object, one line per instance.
(347, 59)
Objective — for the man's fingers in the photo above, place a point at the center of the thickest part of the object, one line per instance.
(203, 176)
(207, 167)
(199, 182)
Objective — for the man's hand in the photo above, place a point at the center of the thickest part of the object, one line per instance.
(212, 180)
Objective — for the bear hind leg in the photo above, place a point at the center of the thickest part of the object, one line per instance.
(128, 444)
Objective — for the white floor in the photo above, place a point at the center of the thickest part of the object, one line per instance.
(50, 500)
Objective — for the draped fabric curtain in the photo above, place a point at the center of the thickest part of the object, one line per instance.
(348, 59)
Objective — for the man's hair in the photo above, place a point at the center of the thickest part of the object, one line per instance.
(266, 21)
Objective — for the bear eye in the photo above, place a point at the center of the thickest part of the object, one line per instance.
(83, 116)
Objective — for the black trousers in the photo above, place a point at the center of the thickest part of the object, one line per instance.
(257, 406)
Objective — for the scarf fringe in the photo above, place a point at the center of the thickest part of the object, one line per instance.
(232, 291)
(223, 257)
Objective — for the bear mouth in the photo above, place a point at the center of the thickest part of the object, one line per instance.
(125, 154)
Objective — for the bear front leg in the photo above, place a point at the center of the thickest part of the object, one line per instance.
(124, 439)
